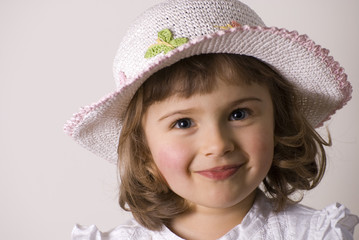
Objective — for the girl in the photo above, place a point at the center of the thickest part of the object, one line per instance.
(212, 125)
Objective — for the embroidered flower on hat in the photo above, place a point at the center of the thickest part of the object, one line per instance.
(165, 43)
(233, 24)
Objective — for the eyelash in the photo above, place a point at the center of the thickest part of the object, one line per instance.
(189, 123)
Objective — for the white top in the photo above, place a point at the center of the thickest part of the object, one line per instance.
(296, 222)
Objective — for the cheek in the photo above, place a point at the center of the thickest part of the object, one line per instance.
(264, 143)
(171, 160)
(261, 145)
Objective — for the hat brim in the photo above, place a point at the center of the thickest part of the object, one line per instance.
(320, 81)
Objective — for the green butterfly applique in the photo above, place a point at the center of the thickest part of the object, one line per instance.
(165, 43)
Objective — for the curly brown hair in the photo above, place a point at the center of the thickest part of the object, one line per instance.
(299, 157)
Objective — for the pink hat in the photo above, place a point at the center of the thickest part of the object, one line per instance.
(178, 29)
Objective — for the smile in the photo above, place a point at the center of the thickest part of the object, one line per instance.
(220, 173)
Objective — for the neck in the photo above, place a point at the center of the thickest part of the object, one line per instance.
(211, 223)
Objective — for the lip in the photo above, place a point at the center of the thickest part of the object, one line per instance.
(220, 173)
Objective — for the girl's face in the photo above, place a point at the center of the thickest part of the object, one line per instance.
(213, 149)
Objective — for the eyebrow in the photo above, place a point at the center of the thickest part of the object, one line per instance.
(184, 112)
(189, 110)
(247, 99)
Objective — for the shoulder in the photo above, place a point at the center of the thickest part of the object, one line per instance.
(130, 230)
(332, 222)
(300, 222)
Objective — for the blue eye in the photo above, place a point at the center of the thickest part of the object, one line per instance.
(238, 114)
(183, 123)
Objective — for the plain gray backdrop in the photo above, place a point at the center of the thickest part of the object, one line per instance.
(56, 56)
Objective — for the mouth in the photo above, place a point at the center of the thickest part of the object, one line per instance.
(220, 173)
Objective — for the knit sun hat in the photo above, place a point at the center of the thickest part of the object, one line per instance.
(178, 29)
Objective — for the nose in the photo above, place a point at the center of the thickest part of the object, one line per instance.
(216, 141)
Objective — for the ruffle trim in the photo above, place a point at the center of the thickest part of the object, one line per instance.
(336, 220)
(86, 232)
(130, 230)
